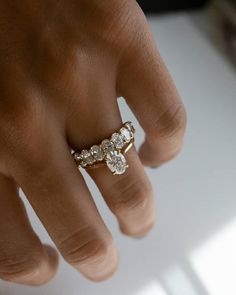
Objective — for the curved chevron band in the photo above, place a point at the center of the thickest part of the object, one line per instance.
(110, 152)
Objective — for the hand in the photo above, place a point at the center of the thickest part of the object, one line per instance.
(63, 65)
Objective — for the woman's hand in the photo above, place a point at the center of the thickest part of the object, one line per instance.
(63, 65)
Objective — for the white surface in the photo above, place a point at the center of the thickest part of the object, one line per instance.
(195, 193)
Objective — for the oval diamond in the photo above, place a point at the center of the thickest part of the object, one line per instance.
(87, 158)
(125, 134)
(116, 162)
(96, 152)
(117, 139)
(107, 146)
(130, 127)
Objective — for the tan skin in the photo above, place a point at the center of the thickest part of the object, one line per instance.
(63, 65)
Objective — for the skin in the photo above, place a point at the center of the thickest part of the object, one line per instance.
(63, 65)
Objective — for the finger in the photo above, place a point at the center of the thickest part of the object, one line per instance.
(23, 259)
(151, 94)
(129, 196)
(61, 199)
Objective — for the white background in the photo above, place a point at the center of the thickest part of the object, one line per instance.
(192, 250)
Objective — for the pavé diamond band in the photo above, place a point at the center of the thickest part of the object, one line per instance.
(111, 152)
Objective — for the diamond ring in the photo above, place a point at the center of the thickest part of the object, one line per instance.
(110, 152)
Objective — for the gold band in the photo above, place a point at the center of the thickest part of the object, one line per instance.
(103, 163)
(110, 152)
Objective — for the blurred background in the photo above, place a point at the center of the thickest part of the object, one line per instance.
(170, 5)
(222, 14)
(192, 250)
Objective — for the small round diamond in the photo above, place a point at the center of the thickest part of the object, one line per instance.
(96, 152)
(107, 146)
(116, 162)
(87, 158)
(125, 134)
(117, 139)
(77, 157)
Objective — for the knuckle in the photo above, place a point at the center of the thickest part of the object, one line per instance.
(119, 24)
(32, 166)
(172, 122)
(131, 196)
(84, 246)
(21, 129)
(36, 164)
(20, 265)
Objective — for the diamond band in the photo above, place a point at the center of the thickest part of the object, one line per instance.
(109, 152)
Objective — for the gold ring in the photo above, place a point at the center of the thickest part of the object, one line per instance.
(110, 152)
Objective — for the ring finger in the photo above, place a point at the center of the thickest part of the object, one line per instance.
(129, 196)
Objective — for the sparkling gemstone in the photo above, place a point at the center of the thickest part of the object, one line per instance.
(96, 152)
(107, 146)
(116, 162)
(87, 158)
(130, 127)
(77, 157)
(125, 133)
(117, 139)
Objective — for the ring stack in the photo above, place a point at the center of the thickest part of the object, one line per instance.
(110, 152)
